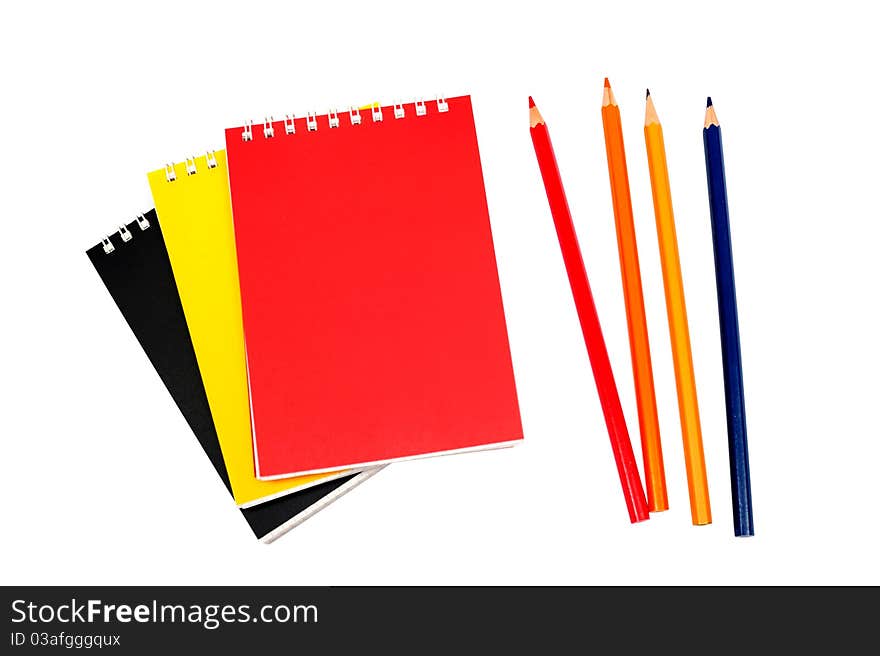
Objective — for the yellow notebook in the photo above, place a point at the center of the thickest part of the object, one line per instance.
(193, 206)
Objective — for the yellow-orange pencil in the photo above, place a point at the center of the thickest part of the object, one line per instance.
(685, 382)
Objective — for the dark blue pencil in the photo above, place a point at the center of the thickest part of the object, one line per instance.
(740, 482)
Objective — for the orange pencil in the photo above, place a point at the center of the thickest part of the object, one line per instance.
(640, 351)
(685, 383)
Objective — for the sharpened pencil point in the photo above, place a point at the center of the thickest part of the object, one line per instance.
(650, 112)
(711, 117)
(535, 117)
(608, 95)
(708, 102)
(647, 93)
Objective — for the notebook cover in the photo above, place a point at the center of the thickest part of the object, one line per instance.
(139, 278)
(193, 209)
(372, 308)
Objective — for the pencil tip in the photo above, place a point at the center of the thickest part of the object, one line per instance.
(535, 117)
(650, 112)
(711, 116)
(708, 102)
(607, 83)
(647, 93)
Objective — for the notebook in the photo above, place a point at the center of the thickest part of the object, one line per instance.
(192, 202)
(134, 266)
(372, 309)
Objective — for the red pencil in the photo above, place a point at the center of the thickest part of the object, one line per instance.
(633, 491)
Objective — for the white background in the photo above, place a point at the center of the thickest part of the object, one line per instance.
(102, 481)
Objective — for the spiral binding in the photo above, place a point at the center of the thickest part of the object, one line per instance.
(190, 164)
(171, 176)
(334, 121)
(124, 234)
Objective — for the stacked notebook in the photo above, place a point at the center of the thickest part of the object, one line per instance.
(321, 298)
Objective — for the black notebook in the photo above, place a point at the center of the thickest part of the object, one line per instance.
(134, 266)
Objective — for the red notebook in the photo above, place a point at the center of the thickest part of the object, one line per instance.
(372, 311)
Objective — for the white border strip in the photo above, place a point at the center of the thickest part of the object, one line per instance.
(318, 506)
(375, 463)
(333, 474)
